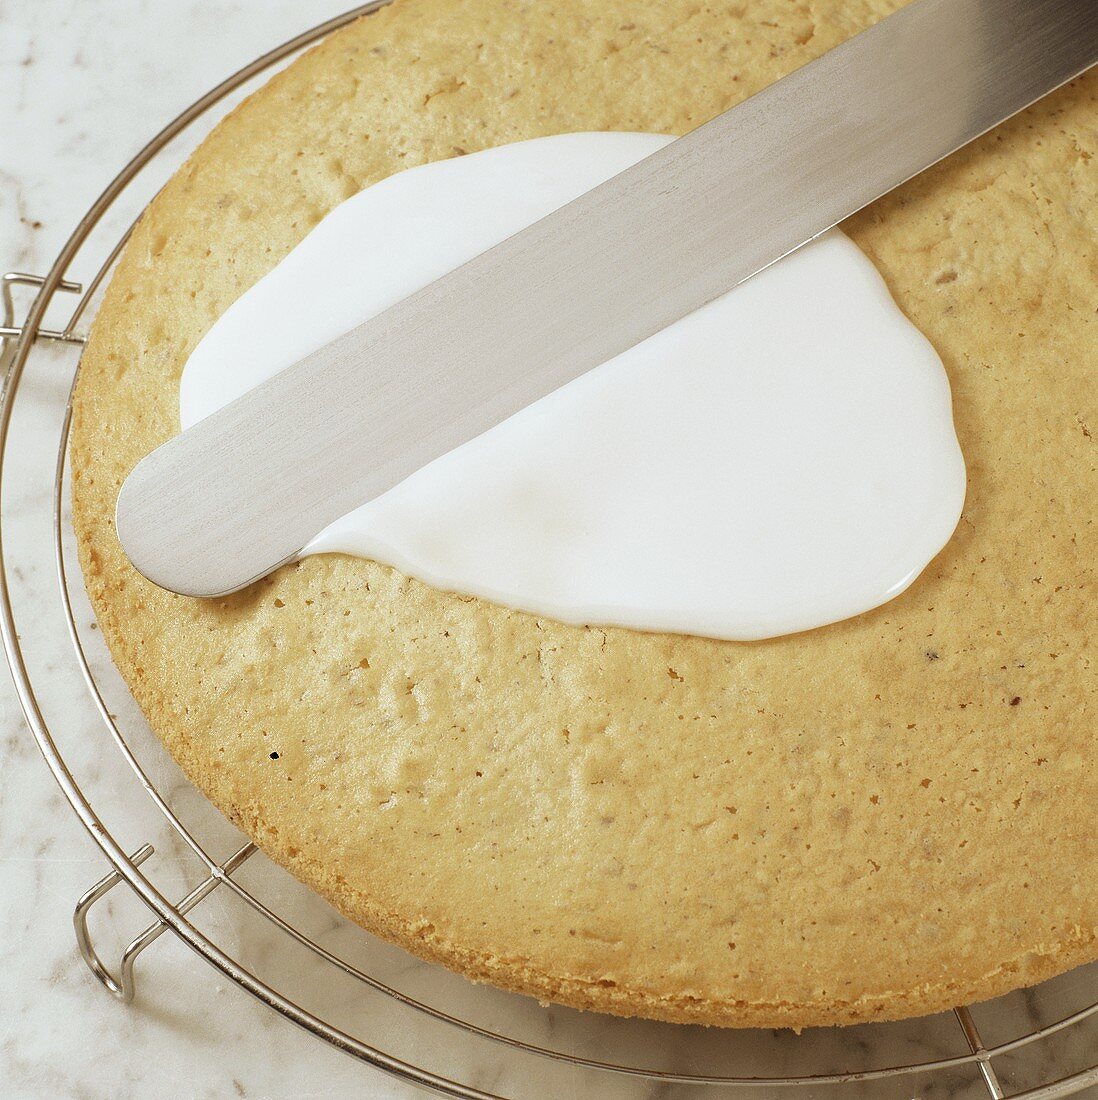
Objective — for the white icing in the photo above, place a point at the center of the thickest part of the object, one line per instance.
(781, 459)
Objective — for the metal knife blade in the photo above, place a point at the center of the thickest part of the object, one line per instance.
(242, 491)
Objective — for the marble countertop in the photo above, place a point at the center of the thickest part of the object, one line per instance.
(82, 86)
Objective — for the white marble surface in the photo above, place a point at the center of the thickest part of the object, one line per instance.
(82, 85)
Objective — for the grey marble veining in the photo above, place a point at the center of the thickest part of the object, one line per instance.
(82, 86)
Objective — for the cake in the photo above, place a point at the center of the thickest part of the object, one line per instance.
(876, 819)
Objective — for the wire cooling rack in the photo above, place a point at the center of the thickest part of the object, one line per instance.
(280, 942)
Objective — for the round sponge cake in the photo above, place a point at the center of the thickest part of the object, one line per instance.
(876, 819)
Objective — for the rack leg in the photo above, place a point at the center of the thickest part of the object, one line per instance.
(123, 986)
(10, 331)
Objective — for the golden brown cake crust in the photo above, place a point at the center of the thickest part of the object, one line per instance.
(872, 820)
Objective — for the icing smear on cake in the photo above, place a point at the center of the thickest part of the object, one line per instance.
(782, 458)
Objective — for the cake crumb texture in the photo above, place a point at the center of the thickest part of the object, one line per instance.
(873, 820)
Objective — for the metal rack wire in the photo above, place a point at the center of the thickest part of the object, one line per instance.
(410, 1020)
